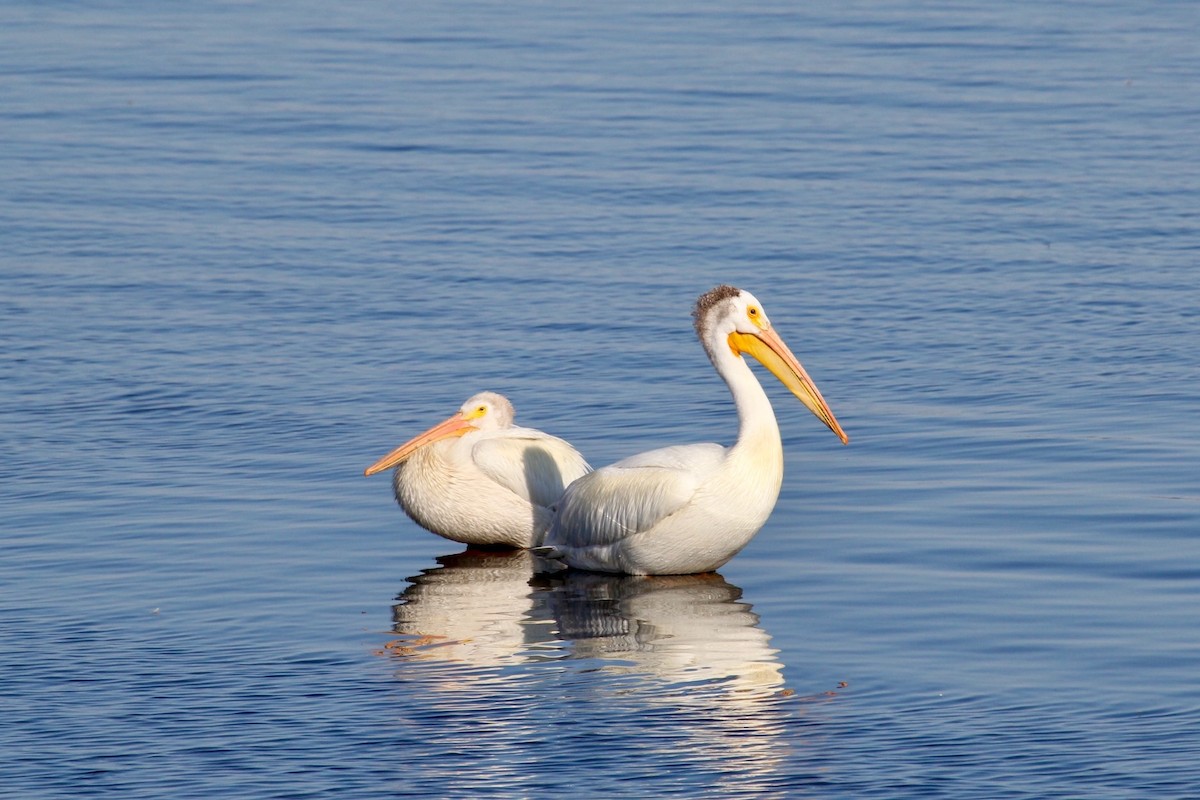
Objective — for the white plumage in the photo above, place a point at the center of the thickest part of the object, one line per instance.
(690, 508)
(477, 478)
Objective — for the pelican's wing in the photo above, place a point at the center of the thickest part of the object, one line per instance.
(529, 463)
(632, 495)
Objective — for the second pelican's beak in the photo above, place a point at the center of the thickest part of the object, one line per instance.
(457, 425)
(766, 346)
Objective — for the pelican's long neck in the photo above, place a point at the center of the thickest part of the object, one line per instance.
(758, 432)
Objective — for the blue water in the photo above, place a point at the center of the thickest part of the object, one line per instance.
(249, 247)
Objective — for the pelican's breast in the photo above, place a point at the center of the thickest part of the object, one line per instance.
(451, 497)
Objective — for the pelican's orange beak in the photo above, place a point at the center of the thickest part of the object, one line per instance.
(457, 425)
(766, 346)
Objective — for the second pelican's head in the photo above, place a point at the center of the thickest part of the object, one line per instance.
(486, 411)
(729, 317)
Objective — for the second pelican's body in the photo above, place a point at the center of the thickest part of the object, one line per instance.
(478, 479)
(691, 508)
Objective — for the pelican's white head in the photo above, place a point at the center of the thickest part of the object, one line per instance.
(486, 411)
(728, 317)
(725, 310)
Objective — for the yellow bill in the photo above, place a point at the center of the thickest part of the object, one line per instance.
(766, 346)
(456, 425)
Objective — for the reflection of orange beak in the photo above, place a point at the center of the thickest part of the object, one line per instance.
(772, 353)
(457, 425)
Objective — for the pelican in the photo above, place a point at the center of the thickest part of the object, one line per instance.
(478, 479)
(690, 508)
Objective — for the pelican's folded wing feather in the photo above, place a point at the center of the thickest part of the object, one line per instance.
(529, 463)
(632, 495)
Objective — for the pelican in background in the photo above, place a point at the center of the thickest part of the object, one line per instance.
(478, 479)
(691, 508)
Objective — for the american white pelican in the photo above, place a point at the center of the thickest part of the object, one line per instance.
(478, 479)
(691, 508)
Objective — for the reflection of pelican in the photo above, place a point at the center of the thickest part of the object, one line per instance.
(476, 608)
(677, 628)
(478, 479)
(643, 683)
(659, 670)
(479, 609)
(689, 509)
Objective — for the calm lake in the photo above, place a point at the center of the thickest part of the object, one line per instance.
(250, 247)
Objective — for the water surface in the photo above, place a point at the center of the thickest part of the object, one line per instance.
(248, 248)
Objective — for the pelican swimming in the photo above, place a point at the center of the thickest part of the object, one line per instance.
(478, 479)
(691, 508)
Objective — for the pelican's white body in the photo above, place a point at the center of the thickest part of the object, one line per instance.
(691, 508)
(488, 487)
(676, 510)
(478, 479)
